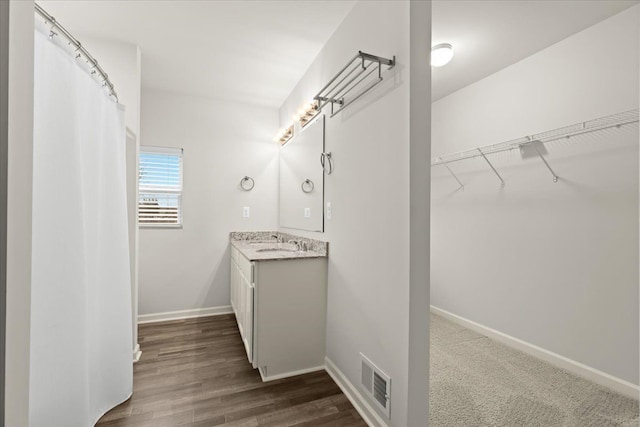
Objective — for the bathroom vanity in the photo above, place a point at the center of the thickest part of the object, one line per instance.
(279, 296)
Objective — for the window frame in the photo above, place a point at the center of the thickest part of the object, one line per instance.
(174, 151)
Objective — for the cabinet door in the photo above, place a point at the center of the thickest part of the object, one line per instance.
(246, 296)
(233, 286)
(240, 301)
(248, 322)
(236, 291)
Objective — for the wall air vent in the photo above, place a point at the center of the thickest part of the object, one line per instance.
(377, 385)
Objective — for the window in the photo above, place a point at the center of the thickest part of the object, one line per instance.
(160, 187)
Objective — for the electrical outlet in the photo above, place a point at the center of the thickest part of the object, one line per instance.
(328, 210)
(245, 212)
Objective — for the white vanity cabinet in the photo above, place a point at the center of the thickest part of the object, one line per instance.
(242, 297)
(280, 306)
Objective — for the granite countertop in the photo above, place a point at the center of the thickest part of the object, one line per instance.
(250, 244)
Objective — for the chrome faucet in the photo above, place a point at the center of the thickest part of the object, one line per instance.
(279, 239)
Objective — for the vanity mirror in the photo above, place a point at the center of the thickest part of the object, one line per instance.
(302, 179)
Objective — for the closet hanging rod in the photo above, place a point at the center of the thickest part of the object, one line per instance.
(607, 122)
(80, 50)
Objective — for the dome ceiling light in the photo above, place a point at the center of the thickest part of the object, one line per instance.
(441, 54)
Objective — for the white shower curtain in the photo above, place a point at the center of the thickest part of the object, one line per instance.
(81, 359)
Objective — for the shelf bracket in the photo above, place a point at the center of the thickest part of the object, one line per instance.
(492, 168)
(451, 172)
(555, 177)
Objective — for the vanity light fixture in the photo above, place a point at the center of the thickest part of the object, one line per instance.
(284, 135)
(441, 54)
(308, 112)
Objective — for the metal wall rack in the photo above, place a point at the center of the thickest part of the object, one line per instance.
(360, 69)
(535, 141)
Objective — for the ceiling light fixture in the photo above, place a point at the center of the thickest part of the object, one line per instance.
(441, 54)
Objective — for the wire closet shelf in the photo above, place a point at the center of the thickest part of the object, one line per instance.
(80, 51)
(535, 140)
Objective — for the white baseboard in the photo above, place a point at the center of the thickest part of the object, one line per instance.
(359, 402)
(602, 378)
(184, 314)
(137, 353)
(289, 374)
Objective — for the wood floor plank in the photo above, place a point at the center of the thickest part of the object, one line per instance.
(195, 373)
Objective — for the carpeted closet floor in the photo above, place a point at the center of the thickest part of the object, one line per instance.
(476, 381)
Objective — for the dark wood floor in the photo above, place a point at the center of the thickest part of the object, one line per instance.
(195, 373)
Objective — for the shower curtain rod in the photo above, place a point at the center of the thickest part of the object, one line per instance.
(80, 50)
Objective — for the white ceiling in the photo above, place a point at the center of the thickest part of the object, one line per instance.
(256, 51)
(251, 51)
(490, 35)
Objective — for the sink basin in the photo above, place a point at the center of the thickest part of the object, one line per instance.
(275, 250)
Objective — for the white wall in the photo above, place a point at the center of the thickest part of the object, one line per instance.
(20, 180)
(188, 268)
(123, 63)
(132, 155)
(368, 234)
(420, 213)
(4, 146)
(555, 265)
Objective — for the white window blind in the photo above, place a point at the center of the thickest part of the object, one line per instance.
(160, 187)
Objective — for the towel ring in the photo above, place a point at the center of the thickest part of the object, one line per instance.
(247, 183)
(329, 168)
(307, 186)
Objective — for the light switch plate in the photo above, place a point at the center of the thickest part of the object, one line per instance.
(328, 210)
(307, 212)
(245, 212)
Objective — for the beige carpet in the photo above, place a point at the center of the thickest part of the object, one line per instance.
(476, 381)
